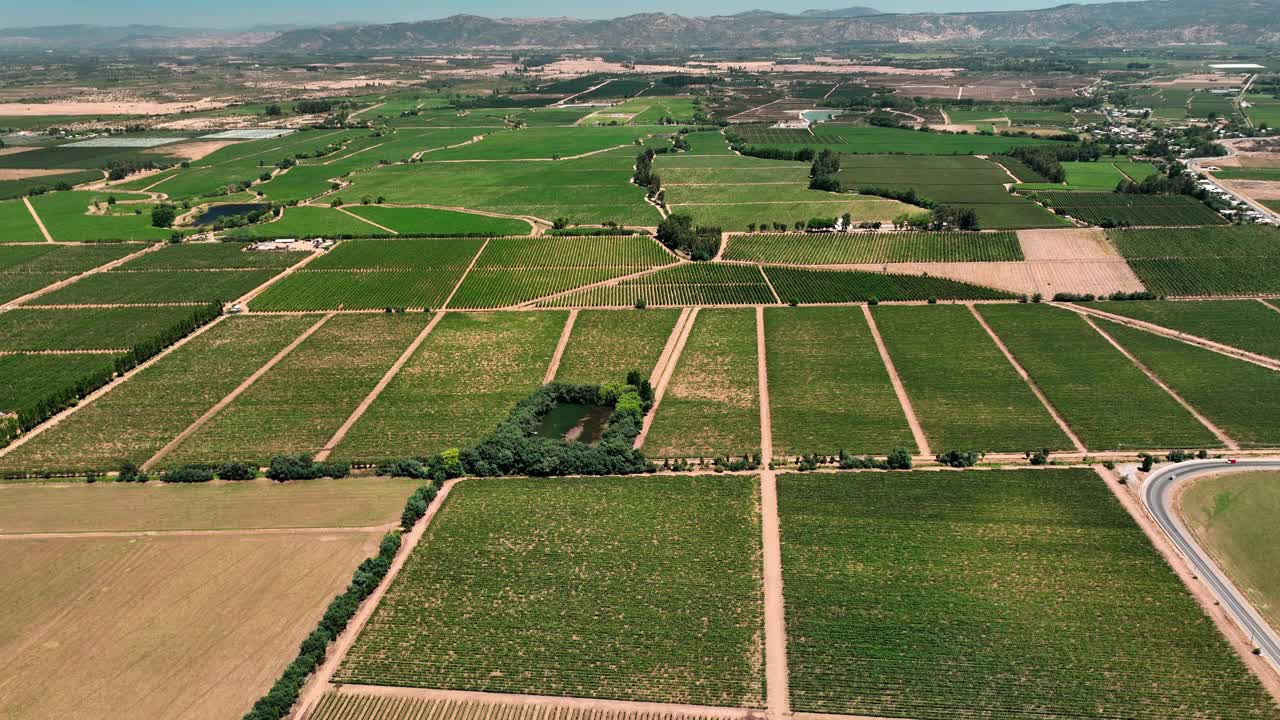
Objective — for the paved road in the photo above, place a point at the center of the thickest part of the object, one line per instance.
(1157, 496)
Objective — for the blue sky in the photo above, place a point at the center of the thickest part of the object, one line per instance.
(244, 13)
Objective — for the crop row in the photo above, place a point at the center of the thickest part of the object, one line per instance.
(348, 706)
(404, 254)
(1215, 242)
(157, 286)
(355, 290)
(1103, 208)
(1210, 276)
(495, 287)
(836, 286)
(875, 247)
(628, 251)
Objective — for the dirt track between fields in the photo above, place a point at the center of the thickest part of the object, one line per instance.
(554, 365)
(666, 367)
(917, 432)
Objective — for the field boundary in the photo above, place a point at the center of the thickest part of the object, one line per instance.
(88, 399)
(769, 282)
(917, 431)
(1217, 432)
(386, 379)
(777, 694)
(1026, 377)
(321, 681)
(367, 220)
(93, 534)
(1269, 304)
(554, 365)
(36, 216)
(231, 396)
(666, 368)
(248, 297)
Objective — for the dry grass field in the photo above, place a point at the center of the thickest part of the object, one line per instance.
(147, 601)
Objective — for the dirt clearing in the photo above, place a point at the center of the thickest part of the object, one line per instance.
(1033, 276)
(1067, 244)
(195, 628)
(192, 150)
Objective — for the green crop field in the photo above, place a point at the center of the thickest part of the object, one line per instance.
(65, 216)
(371, 274)
(136, 419)
(1241, 398)
(212, 256)
(1081, 374)
(543, 143)
(874, 247)
(842, 286)
(514, 270)
(607, 344)
(587, 587)
(1203, 261)
(429, 221)
(1246, 324)
(129, 287)
(684, 284)
(27, 268)
(16, 223)
(308, 222)
(27, 380)
(828, 387)
(880, 140)
(1099, 208)
(461, 382)
(965, 393)
(279, 415)
(711, 407)
(86, 329)
(992, 594)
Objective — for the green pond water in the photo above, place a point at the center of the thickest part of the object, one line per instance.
(575, 422)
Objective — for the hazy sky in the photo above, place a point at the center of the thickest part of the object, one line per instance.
(244, 13)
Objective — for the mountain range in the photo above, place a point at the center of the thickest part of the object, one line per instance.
(1116, 24)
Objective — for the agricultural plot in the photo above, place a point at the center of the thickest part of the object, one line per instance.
(137, 418)
(965, 393)
(143, 287)
(16, 223)
(353, 706)
(27, 381)
(712, 406)
(1107, 208)
(1011, 594)
(1203, 261)
(588, 190)
(66, 217)
(299, 403)
(1241, 398)
(461, 382)
(353, 502)
(1269, 174)
(309, 222)
(371, 274)
(846, 286)
(683, 284)
(882, 140)
(874, 247)
(35, 329)
(586, 587)
(605, 345)
(543, 143)
(212, 256)
(1246, 324)
(511, 271)
(145, 593)
(1083, 376)
(828, 387)
(429, 221)
(1092, 175)
(27, 268)
(708, 142)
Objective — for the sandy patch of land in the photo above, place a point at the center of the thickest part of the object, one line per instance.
(192, 150)
(18, 149)
(844, 68)
(20, 173)
(1203, 80)
(1067, 244)
(161, 626)
(954, 127)
(110, 107)
(1040, 276)
(358, 82)
(1256, 189)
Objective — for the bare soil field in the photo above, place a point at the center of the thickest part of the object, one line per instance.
(1256, 189)
(1067, 244)
(192, 150)
(1043, 276)
(118, 507)
(173, 627)
(107, 107)
(22, 173)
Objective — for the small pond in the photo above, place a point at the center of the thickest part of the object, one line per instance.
(215, 213)
(575, 422)
(817, 116)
